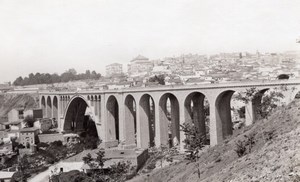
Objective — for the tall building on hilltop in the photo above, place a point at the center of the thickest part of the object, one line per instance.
(114, 69)
(140, 66)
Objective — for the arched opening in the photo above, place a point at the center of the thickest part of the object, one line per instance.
(223, 112)
(130, 119)
(79, 119)
(147, 121)
(257, 110)
(113, 118)
(55, 112)
(197, 113)
(49, 108)
(239, 110)
(169, 120)
(75, 115)
(283, 77)
(43, 106)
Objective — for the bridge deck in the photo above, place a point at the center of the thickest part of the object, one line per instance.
(183, 87)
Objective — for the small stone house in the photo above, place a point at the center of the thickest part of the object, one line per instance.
(6, 176)
(44, 124)
(27, 137)
(18, 114)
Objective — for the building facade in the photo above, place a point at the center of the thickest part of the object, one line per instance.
(114, 69)
(140, 66)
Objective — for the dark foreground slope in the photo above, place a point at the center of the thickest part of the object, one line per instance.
(275, 156)
(10, 101)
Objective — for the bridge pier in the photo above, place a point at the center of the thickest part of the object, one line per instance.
(250, 113)
(130, 123)
(215, 129)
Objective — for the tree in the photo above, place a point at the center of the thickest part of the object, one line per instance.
(267, 102)
(100, 158)
(46, 78)
(88, 159)
(21, 175)
(160, 79)
(29, 121)
(194, 140)
(18, 81)
(242, 112)
(87, 74)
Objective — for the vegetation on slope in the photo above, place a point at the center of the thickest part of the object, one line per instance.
(273, 156)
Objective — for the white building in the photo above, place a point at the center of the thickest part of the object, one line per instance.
(114, 69)
(140, 66)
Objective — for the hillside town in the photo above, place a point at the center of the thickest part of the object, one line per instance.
(188, 69)
(199, 69)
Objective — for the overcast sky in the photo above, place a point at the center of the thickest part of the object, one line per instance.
(55, 35)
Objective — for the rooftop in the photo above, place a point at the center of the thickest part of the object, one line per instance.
(6, 175)
(140, 57)
(114, 64)
(28, 129)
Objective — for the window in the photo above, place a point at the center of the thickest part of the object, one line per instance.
(21, 114)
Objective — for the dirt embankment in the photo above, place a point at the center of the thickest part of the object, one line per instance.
(275, 155)
(10, 101)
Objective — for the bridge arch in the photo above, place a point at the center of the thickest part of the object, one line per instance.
(256, 103)
(223, 112)
(169, 120)
(112, 107)
(130, 121)
(223, 109)
(196, 110)
(55, 107)
(43, 106)
(49, 108)
(147, 121)
(79, 117)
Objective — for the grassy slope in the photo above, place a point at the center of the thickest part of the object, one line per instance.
(277, 159)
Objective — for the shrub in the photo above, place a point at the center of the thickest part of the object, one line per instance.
(57, 143)
(118, 170)
(42, 144)
(194, 140)
(240, 148)
(29, 121)
(269, 135)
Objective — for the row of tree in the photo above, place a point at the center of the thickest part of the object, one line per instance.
(46, 78)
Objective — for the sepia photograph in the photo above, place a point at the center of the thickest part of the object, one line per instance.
(149, 90)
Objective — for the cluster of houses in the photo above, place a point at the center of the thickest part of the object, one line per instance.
(201, 69)
(16, 130)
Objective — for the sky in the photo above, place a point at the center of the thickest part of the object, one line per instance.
(55, 35)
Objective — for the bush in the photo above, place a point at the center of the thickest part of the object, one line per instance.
(194, 141)
(242, 146)
(269, 135)
(29, 121)
(57, 143)
(20, 146)
(42, 144)
(118, 170)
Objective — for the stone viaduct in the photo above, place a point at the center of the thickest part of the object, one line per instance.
(143, 117)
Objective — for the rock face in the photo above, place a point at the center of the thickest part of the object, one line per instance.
(273, 157)
(10, 101)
